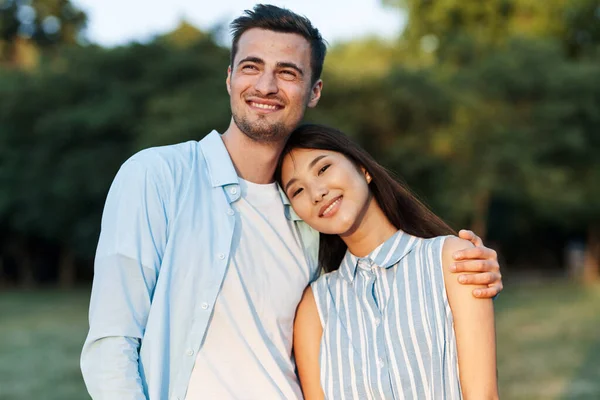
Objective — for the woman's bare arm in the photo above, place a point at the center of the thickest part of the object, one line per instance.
(475, 332)
(307, 343)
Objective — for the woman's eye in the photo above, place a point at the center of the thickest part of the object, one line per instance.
(296, 192)
(323, 169)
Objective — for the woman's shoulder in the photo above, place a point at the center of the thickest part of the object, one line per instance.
(438, 250)
(422, 246)
(324, 280)
(453, 243)
(447, 242)
(319, 294)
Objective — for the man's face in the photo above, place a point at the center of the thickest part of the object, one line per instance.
(269, 84)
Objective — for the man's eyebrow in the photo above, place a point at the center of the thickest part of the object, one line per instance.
(290, 65)
(310, 165)
(252, 59)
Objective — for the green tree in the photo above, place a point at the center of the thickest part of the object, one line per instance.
(66, 128)
(42, 24)
(462, 31)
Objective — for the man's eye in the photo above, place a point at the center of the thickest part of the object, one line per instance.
(288, 74)
(297, 192)
(249, 68)
(324, 168)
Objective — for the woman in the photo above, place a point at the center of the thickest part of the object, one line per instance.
(387, 320)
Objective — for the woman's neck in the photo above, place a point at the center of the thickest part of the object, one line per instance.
(373, 229)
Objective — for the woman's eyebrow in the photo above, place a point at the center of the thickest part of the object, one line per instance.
(316, 160)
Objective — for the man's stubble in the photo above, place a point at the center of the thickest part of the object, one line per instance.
(262, 131)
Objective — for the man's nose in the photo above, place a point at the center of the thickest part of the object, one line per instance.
(266, 84)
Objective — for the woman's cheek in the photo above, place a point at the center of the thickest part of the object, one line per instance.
(304, 212)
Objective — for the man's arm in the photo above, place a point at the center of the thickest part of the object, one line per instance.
(483, 265)
(127, 262)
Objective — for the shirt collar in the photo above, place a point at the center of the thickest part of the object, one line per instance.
(387, 254)
(289, 211)
(222, 172)
(220, 168)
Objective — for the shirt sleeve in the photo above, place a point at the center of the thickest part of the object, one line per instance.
(130, 249)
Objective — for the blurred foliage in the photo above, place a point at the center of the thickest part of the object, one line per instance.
(66, 128)
(489, 110)
(30, 26)
(461, 31)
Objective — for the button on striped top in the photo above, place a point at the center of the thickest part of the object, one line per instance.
(387, 325)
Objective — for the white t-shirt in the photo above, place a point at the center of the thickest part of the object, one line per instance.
(247, 350)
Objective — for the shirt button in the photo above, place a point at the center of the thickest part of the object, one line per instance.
(233, 191)
(189, 352)
(204, 306)
(221, 256)
(230, 212)
(380, 363)
(377, 321)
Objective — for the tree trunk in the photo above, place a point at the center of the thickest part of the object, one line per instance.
(18, 248)
(67, 270)
(2, 282)
(27, 275)
(591, 267)
(481, 206)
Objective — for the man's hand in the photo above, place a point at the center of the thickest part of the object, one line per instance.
(482, 261)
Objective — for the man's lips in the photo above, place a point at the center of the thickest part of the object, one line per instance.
(330, 207)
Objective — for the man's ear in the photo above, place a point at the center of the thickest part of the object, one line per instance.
(315, 94)
(228, 80)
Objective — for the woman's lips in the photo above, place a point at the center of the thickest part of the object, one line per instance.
(331, 207)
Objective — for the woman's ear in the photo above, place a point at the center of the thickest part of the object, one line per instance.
(367, 174)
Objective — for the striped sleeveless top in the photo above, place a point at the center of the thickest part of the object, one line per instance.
(387, 325)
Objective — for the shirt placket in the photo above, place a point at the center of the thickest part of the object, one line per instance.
(373, 301)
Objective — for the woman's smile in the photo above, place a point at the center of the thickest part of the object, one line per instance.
(331, 207)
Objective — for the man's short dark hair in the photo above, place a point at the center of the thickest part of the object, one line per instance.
(272, 18)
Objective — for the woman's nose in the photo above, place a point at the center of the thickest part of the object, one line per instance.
(318, 193)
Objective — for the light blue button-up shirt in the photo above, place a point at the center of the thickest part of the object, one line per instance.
(164, 246)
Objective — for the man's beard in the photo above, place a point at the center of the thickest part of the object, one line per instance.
(262, 131)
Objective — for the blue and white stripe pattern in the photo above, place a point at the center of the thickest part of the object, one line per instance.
(387, 325)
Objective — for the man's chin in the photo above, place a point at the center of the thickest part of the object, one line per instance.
(264, 133)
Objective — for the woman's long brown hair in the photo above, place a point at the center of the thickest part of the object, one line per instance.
(400, 206)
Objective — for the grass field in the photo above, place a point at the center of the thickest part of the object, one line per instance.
(548, 343)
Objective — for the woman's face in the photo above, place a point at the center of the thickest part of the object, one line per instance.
(326, 190)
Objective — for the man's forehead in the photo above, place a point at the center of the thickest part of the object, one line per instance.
(264, 44)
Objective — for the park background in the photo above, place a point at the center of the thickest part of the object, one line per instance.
(489, 110)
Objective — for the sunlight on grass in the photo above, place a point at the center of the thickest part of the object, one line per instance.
(548, 343)
(42, 334)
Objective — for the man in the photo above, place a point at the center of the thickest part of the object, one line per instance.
(201, 263)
